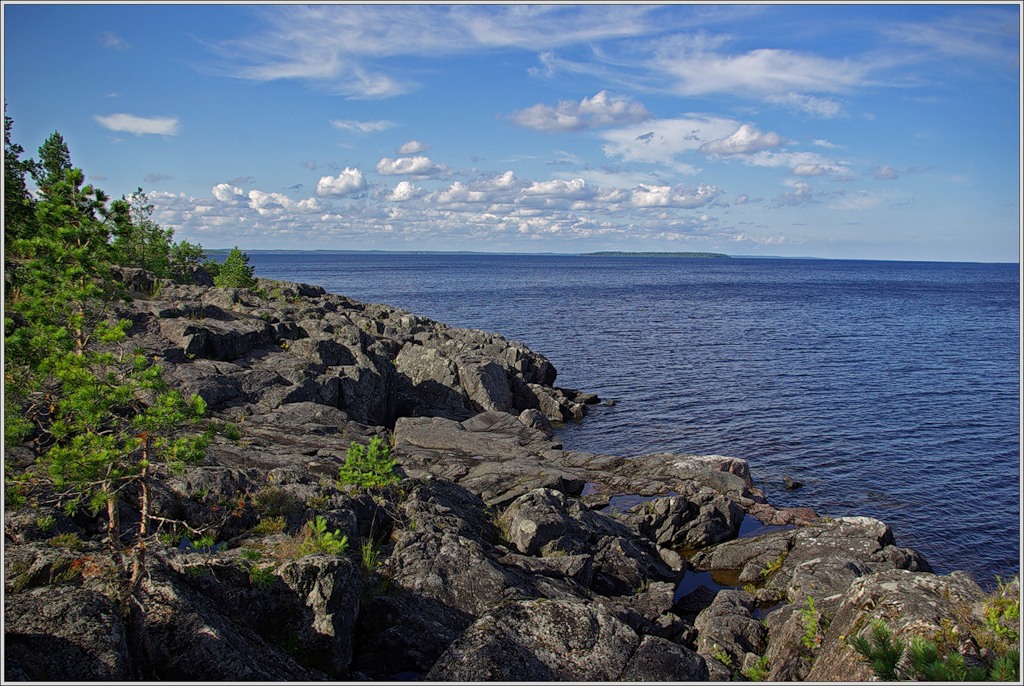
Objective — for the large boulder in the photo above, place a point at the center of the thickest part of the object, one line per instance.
(728, 626)
(64, 632)
(559, 640)
(911, 604)
(546, 521)
(695, 520)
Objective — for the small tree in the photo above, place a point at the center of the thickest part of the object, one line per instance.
(236, 271)
(139, 241)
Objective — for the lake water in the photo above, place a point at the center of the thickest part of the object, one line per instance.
(890, 389)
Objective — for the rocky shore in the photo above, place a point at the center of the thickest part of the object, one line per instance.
(499, 555)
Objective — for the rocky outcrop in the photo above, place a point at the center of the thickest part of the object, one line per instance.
(545, 640)
(498, 555)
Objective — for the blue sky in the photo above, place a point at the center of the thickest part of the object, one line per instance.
(849, 131)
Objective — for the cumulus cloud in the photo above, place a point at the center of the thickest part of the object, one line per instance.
(601, 110)
(413, 147)
(674, 196)
(362, 126)
(140, 126)
(225, 192)
(404, 191)
(575, 188)
(349, 181)
(746, 140)
(412, 166)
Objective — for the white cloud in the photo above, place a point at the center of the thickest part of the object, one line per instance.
(413, 166)
(802, 194)
(362, 126)
(699, 68)
(225, 192)
(674, 196)
(602, 110)
(344, 48)
(109, 39)
(800, 163)
(885, 173)
(662, 141)
(413, 147)
(861, 200)
(824, 108)
(349, 181)
(576, 188)
(403, 192)
(140, 126)
(746, 140)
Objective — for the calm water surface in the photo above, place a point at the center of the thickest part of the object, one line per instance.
(890, 389)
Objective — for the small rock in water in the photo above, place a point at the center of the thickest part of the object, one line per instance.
(790, 483)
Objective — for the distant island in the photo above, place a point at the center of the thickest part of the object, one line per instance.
(615, 253)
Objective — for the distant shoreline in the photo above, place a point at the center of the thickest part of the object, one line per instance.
(616, 253)
(219, 252)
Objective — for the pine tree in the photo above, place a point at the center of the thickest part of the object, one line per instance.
(19, 207)
(102, 419)
(141, 242)
(236, 271)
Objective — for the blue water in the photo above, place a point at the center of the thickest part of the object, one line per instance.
(890, 389)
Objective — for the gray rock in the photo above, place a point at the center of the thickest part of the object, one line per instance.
(657, 659)
(64, 632)
(485, 383)
(330, 587)
(548, 640)
(728, 625)
(217, 339)
(911, 604)
(189, 640)
(322, 350)
(696, 520)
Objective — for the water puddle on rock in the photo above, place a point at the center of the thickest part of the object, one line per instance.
(697, 589)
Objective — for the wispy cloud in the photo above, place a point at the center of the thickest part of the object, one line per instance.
(885, 173)
(140, 126)
(362, 126)
(344, 48)
(109, 39)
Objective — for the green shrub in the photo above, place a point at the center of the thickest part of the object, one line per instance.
(70, 541)
(927, 661)
(881, 651)
(810, 617)
(273, 501)
(368, 467)
(759, 670)
(319, 539)
(270, 525)
(236, 271)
